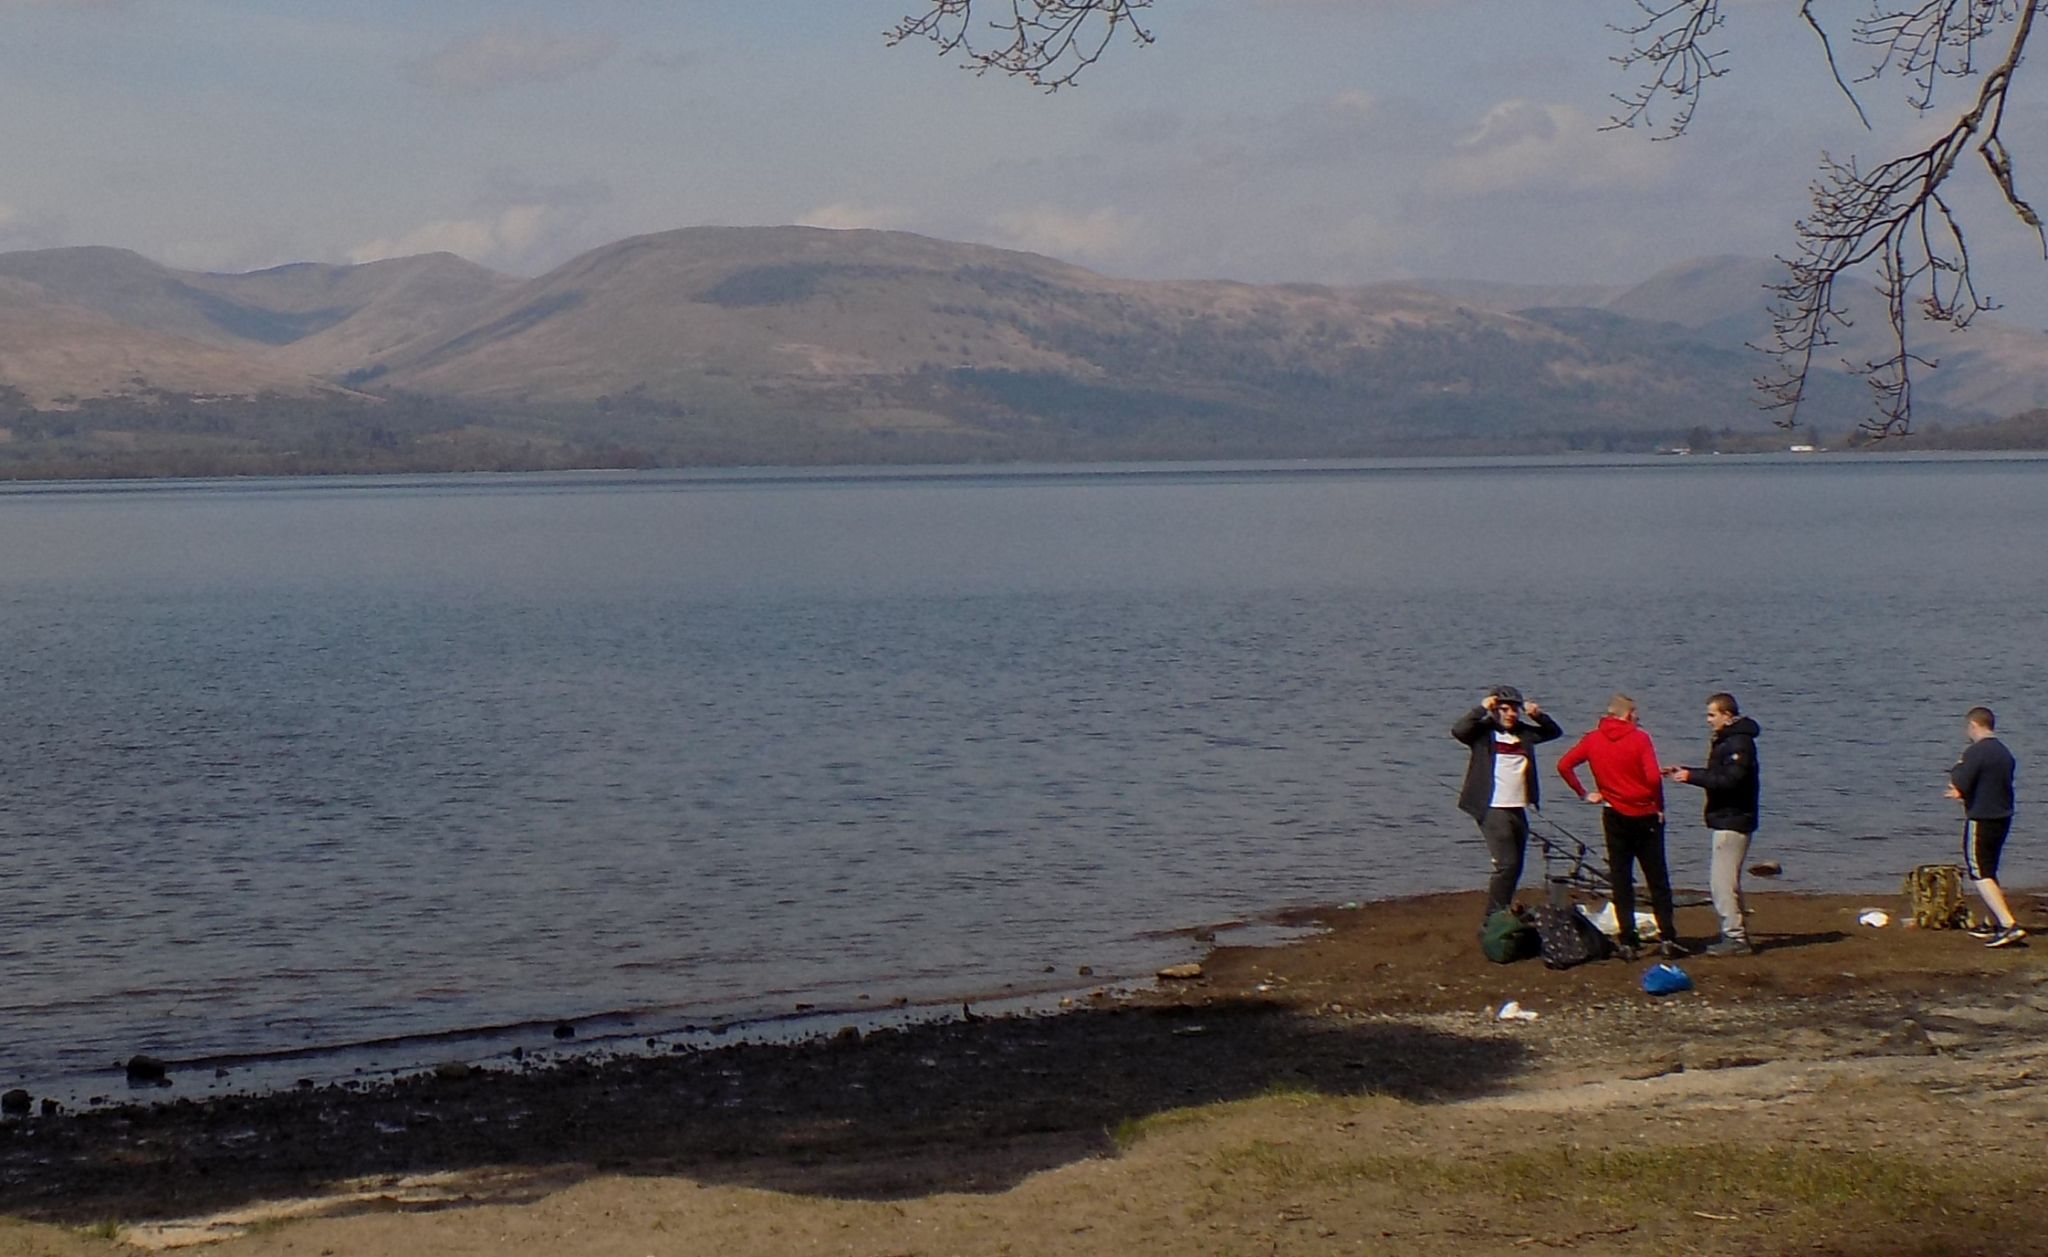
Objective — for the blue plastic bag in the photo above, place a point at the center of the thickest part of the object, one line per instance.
(1665, 980)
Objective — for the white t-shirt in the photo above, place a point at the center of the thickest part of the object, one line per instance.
(1510, 770)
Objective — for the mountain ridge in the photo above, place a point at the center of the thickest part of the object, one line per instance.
(794, 343)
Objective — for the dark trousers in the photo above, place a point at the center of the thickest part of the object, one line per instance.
(1633, 840)
(1506, 831)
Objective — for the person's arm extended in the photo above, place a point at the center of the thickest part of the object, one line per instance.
(1470, 725)
(1730, 765)
(1967, 770)
(1651, 772)
(1568, 766)
(1962, 779)
(1546, 728)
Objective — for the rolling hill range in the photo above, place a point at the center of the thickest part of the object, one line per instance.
(802, 344)
(53, 352)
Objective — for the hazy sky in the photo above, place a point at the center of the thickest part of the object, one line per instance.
(1328, 140)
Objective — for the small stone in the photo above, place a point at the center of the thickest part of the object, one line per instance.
(453, 1071)
(518, 1053)
(565, 1031)
(1086, 971)
(146, 1069)
(1767, 868)
(847, 1036)
(1181, 973)
(1909, 1038)
(51, 1108)
(15, 1103)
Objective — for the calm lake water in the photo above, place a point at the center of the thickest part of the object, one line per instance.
(303, 764)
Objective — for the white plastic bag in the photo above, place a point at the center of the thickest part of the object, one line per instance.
(1608, 922)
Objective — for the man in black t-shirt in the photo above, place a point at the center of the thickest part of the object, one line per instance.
(1982, 782)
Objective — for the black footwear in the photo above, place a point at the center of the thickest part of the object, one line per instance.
(1627, 951)
(1672, 949)
(2009, 936)
(1988, 930)
(1731, 947)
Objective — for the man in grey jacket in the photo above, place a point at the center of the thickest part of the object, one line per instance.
(1501, 781)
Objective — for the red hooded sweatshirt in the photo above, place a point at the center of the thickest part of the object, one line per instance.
(1624, 764)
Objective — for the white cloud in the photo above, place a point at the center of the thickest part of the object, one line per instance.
(1095, 236)
(506, 237)
(848, 215)
(20, 229)
(515, 223)
(1525, 145)
(509, 56)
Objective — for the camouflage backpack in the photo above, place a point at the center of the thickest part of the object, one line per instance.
(1935, 893)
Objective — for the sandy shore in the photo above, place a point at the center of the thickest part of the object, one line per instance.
(1846, 1090)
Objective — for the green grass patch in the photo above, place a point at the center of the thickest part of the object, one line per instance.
(1131, 1130)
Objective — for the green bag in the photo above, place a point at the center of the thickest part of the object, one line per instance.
(1508, 938)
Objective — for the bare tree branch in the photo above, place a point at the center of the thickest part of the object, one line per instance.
(1668, 39)
(1894, 217)
(1044, 42)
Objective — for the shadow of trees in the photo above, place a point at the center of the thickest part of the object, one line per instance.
(952, 1107)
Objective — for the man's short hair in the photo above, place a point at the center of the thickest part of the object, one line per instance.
(1982, 717)
(1620, 706)
(1724, 702)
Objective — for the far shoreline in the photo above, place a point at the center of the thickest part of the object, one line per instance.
(752, 474)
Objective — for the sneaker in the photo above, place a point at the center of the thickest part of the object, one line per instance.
(1627, 951)
(1732, 947)
(2008, 936)
(1672, 949)
(1986, 930)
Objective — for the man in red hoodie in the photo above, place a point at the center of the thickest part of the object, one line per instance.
(1629, 785)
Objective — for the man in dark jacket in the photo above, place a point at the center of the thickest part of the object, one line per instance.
(1501, 781)
(1733, 784)
(1982, 782)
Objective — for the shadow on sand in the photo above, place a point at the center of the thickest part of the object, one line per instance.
(1787, 942)
(952, 1107)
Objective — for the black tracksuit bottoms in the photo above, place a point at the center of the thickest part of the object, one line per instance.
(1633, 840)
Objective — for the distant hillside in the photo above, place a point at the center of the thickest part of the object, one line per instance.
(345, 317)
(888, 330)
(796, 344)
(1992, 368)
(55, 354)
(2028, 431)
